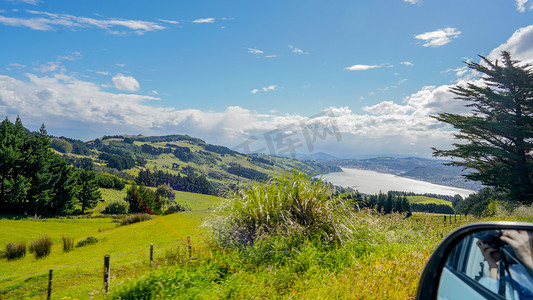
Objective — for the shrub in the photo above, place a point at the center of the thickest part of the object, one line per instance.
(88, 241)
(41, 247)
(176, 208)
(117, 207)
(135, 218)
(68, 243)
(290, 205)
(14, 250)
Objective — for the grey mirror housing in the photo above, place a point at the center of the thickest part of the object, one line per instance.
(455, 268)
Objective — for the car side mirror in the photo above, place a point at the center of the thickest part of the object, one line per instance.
(491, 260)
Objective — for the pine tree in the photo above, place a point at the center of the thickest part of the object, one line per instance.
(497, 138)
(88, 190)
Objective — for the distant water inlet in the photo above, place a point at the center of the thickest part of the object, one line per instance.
(370, 182)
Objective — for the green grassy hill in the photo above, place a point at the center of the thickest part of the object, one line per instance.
(126, 155)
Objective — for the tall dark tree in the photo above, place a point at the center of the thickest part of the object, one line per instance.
(497, 138)
(88, 190)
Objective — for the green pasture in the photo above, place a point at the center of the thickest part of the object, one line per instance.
(127, 245)
(427, 200)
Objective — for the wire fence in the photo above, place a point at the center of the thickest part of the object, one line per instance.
(96, 276)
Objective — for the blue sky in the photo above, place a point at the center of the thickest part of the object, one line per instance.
(344, 77)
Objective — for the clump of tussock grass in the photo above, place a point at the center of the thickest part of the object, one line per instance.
(68, 243)
(135, 218)
(88, 241)
(292, 206)
(14, 251)
(41, 247)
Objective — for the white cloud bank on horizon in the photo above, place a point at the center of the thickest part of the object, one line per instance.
(63, 102)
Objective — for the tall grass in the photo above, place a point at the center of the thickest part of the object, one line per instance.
(14, 250)
(41, 247)
(68, 243)
(291, 206)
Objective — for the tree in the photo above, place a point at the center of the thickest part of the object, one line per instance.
(497, 138)
(88, 191)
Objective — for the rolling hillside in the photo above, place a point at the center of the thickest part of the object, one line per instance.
(126, 155)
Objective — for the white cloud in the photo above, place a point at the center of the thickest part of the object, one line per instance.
(126, 83)
(204, 20)
(296, 50)
(51, 66)
(361, 67)
(169, 21)
(271, 56)
(120, 65)
(520, 5)
(32, 2)
(388, 108)
(520, 45)
(458, 71)
(154, 92)
(412, 1)
(254, 51)
(76, 55)
(406, 63)
(49, 21)
(439, 37)
(269, 88)
(16, 65)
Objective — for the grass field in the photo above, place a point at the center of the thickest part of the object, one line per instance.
(427, 200)
(382, 259)
(127, 245)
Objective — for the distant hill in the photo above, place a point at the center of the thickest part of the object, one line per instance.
(430, 170)
(126, 155)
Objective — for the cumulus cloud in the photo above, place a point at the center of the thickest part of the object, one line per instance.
(361, 67)
(48, 21)
(204, 20)
(412, 1)
(51, 66)
(126, 83)
(439, 37)
(520, 45)
(406, 63)
(254, 91)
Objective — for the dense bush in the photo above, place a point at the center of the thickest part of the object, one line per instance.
(88, 241)
(135, 218)
(288, 206)
(14, 251)
(41, 247)
(68, 243)
(117, 207)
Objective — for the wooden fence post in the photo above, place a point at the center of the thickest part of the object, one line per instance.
(50, 275)
(189, 246)
(151, 255)
(107, 272)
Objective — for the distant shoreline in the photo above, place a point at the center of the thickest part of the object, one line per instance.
(372, 182)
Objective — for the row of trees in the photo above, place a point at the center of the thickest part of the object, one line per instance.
(36, 181)
(190, 183)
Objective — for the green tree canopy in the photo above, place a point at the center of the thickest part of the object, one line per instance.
(497, 137)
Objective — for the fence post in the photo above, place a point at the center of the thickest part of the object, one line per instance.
(151, 255)
(445, 219)
(50, 274)
(189, 246)
(107, 272)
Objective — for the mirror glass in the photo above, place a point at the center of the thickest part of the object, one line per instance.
(490, 264)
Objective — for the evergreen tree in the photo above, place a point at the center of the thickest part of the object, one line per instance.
(497, 138)
(88, 191)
